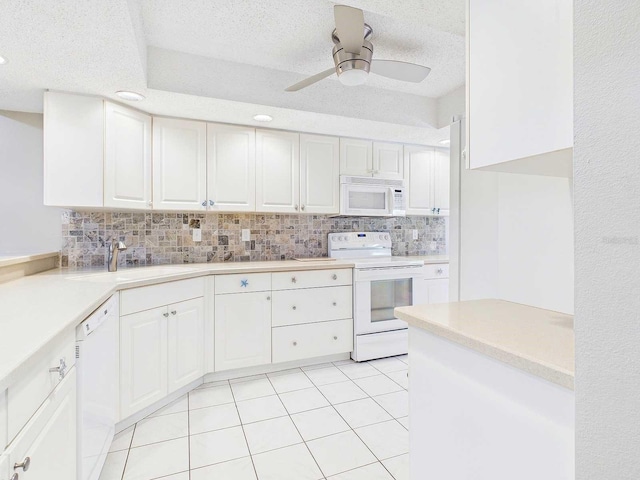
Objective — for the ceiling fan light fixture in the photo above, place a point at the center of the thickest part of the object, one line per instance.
(353, 77)
(262, 117)
(130, 96)
(446, 141)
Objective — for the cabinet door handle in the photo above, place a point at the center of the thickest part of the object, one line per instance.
(439, 271)
(173, 312)
(302, 208)
(61, 370)
(295, 343)
(244, 283)
(294, 307)
(24, 465)
(334, 304)
(204, 204)
(334, 276)
(335, 337)
(268, 298)
(14, 477)
(211, 203)
(150, 204)
(296, 207)
(294, 279)
(165, 314)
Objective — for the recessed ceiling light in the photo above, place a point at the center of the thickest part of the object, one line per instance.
(444, 142)
(262, 117)
(130, 96)
(2, 60)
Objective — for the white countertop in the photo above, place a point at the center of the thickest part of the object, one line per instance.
(537, 341)
(13, 259)
(38, 309)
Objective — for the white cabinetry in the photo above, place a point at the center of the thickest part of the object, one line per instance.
(277, 171)
(3, 422)
(161, 341)
(231, 168)
(436, 283)
(48, 441)
(426, 174)
(4, 466)
(127, 158)
(319, 174)
(388, 160)
(520, 93)
(356, 157)
(179, 164)
(73, 150)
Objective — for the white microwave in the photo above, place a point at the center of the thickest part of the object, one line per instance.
(372, 197)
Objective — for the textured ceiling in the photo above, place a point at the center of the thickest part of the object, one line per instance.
(239, 54)
(295, 36)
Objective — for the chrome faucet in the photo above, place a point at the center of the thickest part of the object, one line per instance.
(114, 247)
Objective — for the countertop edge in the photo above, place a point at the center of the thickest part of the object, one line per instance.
(534, 367)
(15, 260)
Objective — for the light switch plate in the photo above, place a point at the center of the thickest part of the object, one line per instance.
(246, 235)
(197, 235)
(415, 234)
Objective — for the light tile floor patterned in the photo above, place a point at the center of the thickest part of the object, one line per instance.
(334, 421)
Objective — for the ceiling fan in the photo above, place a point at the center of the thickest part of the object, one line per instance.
(352, 55)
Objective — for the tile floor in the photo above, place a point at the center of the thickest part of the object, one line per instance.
(334, 421)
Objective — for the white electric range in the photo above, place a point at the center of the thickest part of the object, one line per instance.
(381, 283)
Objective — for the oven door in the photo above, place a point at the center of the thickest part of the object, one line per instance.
(378, 291)
(366, 200)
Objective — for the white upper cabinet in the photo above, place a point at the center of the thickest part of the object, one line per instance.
(277, 171)
(319, 174)
(231, 168)
(426, 175)
(388, 160)
(520, 85)
(356, 157)
(179, 165)
(127, 158)
(73, 150)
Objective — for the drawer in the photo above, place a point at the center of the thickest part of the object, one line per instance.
(312, 278)
(309, 305)
(436, 270)
(311, 340)
(145, 298)
(240, 283)
(26, 395)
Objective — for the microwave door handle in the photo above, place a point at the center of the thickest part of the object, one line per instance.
(391, 201)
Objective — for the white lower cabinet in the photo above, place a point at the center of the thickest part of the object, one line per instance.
(47, 444)
(143, 359)
(436, 282)
(242, 330)
(4, 467)
(312, 340)
(186, 345)
(307, 305)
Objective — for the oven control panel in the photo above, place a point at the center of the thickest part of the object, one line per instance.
(359, 240)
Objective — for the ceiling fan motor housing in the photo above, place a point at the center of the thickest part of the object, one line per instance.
(350, 61)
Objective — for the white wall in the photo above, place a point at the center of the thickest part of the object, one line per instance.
(607, 218)
(27, 225)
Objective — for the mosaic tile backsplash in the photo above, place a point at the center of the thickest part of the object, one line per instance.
(164, 238)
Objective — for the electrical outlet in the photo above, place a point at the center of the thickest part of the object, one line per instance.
(197, 235)
(415, 234)
(246, 235)
(433, 246)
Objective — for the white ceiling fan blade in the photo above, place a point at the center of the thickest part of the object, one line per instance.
(310, 81)
(350, 27)
(407, 72)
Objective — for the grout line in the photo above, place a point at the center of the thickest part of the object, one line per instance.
(128, 451)
(243, 432)
(189, 432)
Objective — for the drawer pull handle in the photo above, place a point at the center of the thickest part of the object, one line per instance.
(14, 477)
(294, 279)
(334, 304)
(335, 337)
(294, 307)
(244, 283)
(334, 276)
(173, 312)
(61, 370)
(268, 298)
(165, 314)
(439, 271)
(295, 343)
(24, 465)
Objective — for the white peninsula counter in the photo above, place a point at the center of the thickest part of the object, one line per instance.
(491, 391)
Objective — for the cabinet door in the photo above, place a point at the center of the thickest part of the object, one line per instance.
(242, 330)
(319, 174)
(356, 157)
(127, 158)
(441, 174)
(231, 168)
(388, 160)
(73, 149)
(438, 290)
(49, 439)
(4, 466)
(186, 343)
(179, 164)
(418, 176)
(143, 359)
(277, 171)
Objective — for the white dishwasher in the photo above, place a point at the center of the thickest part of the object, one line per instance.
(97, 368)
